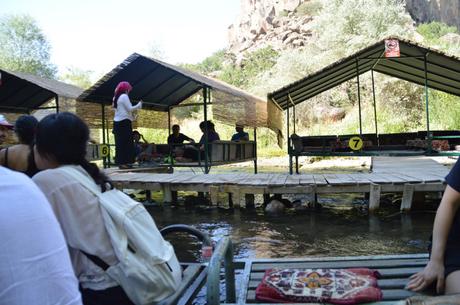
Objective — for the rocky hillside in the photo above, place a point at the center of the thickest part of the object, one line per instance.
(284, 24)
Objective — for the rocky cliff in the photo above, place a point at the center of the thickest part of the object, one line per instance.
(285, 23)
(447, 11)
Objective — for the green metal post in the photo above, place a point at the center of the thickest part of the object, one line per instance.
(289, 142)
(375, 109)
(428, 135)
(255, 150)
(223, 252)
(206, 148)
(359, 99)
(104, 159)
(57, 103)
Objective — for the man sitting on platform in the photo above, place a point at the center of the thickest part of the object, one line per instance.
(240, 134)
(178, 138)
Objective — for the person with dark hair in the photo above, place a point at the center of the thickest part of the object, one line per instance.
(20, 157)
(122, 125)
(35, 266)
(443, 268)
(207, 128)
(177, 137)
(61, 140)
(143, 150)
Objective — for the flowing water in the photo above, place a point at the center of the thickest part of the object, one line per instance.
(341, 228)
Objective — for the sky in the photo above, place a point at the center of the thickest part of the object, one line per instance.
(97, 35)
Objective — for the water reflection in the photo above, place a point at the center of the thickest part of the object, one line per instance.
(328, 232)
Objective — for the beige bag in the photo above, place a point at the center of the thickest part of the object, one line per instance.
(148, 269)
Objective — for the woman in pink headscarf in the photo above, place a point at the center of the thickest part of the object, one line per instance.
(122, 125)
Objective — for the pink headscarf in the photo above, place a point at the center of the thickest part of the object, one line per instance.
(122, 87)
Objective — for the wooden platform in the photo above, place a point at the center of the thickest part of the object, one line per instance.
(393, 174)
(394, 270)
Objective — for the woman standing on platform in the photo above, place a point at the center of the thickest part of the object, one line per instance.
(122, 125)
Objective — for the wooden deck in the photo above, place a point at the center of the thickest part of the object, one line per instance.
(392, 174)
(394, 270)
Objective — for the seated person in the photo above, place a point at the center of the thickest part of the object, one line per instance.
(178, 138)
(197, 153)
(144, 151)
(35, 267)
(240, 134)
(5, 127)
(443, 268)
(61, 140)
(20, 157)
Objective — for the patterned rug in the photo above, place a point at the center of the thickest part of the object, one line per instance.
(336, 286)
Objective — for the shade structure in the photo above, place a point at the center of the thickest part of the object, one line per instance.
(442, 71)
(162, 86)
(23, 92)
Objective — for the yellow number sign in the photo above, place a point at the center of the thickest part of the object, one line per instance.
(355, 143)
(104, 150)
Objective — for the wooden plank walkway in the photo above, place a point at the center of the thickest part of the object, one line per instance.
(389, 174)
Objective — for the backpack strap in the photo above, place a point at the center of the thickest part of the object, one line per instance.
(97, 260)
(90, 185)
(85, 180)
(6, 157)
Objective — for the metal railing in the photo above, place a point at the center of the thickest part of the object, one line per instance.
(222, 253)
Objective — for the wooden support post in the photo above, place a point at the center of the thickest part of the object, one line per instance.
(174, 196)
(249, 201)
(167, 193)
(374, 197)
(236, 198)
(214, 194)
(266, 198)
(148, 195)
(230, 200)
(315, 199)
(408, 195)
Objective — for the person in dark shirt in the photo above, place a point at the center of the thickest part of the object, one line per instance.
(443, 267)
(212, 134)
(240, 134)
(195, 153)
(178, 138)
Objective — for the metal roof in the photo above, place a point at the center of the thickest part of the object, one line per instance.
(22, 92)
(157, 83)
(443, 71)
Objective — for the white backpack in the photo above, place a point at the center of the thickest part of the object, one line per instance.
(152, 272)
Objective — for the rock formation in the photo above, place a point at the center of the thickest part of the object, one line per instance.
(275, 23)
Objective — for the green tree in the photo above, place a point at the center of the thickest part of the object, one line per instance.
(24, 47)
(77, 77)
(434, 30)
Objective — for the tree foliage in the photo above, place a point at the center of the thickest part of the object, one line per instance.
(77, 77)
(24, 47)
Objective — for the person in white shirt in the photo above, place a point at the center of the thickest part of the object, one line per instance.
(35, 267)
(61, 140)
(122, 125)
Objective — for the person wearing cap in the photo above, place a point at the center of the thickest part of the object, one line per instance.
(20, 157)
(5, 126)
(240, 134)
(122, 125)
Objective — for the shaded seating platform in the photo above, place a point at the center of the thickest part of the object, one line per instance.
(163, 87)
(412, 62)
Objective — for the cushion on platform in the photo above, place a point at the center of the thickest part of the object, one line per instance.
(336, 286)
